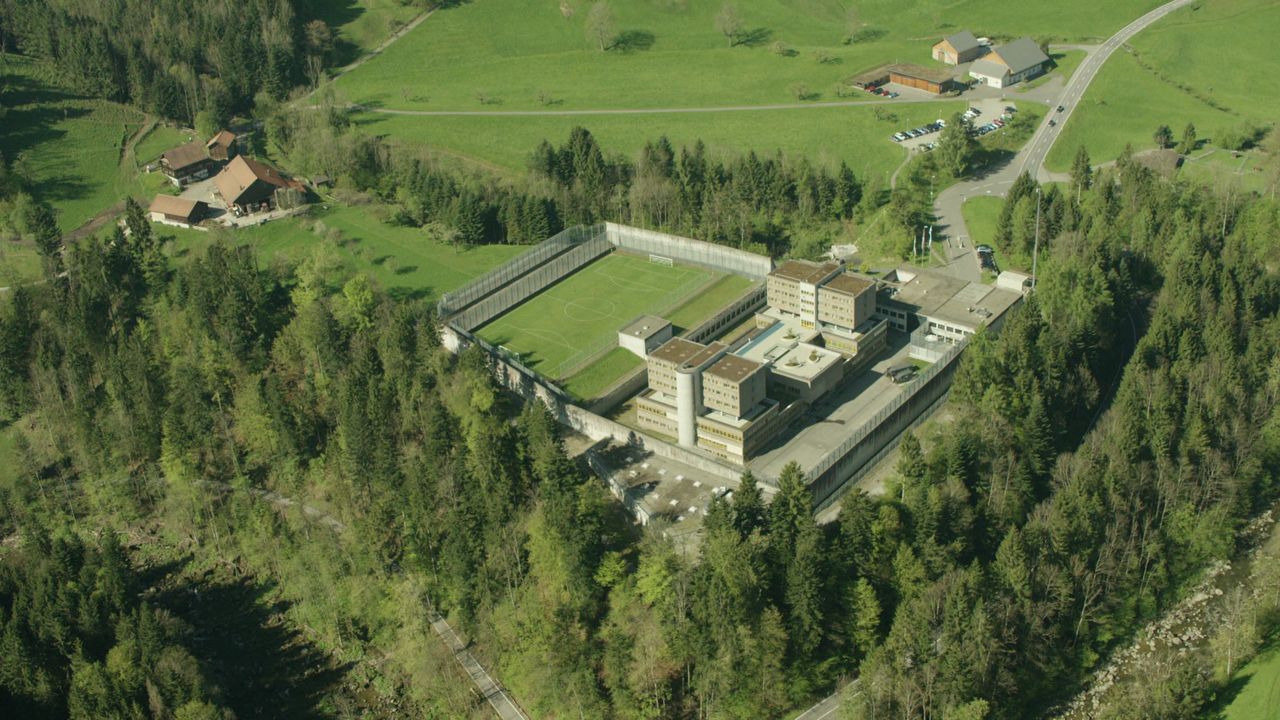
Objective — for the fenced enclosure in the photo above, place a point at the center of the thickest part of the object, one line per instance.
(516, 267)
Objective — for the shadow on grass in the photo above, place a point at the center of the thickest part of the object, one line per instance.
(264, 666)
(634, 41)
(754, 38)
(401, 294)
(406, 269)
(1225, 696)
(866, 35)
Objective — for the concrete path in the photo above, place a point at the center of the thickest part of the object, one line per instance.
(378, 50)
(997, 181)
(496, 695)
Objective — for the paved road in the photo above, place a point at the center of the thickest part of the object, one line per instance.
(947, 207)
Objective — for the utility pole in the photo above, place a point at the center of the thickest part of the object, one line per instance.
(1035, 254)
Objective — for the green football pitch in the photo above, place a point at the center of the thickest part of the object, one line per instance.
(576, 313)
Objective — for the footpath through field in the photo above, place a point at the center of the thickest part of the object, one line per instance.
(962, 261)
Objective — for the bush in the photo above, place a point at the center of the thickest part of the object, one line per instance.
(1241, 137)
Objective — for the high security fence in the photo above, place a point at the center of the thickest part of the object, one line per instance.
(534, 281)
(694, 253)
(516, 267)
(921, 381)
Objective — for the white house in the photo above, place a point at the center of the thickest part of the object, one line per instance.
(1006, 65)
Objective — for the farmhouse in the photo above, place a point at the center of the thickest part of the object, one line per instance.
(1006, 65)
(958, 49)
(170, 209)
(186, 163)
(222, 146)
(247, 185)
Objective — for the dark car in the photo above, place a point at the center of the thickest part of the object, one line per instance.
(1060, 108)
(1052, 123)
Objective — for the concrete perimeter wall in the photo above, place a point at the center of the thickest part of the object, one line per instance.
(685, 251)
(829, 477)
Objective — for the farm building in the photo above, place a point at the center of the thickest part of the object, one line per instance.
(1006, 65)
(922, 78)
(186, 163)
(246, 185)
(222, 146)
(958, 49)
(908, 74)
(167, 208)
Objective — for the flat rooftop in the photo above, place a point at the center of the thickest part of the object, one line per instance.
(920, 72)
(646, 326)
(947, 298)
(806, 362)
(677, 351)
(733, 368)
(807, 272)
(706, 354)
(849, 283)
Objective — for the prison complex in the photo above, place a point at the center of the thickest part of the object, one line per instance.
(820, 328)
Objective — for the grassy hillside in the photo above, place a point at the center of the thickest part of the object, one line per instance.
(405, 261)
(852, 134)
(1212, 49)
(670, 53)
(68, 147)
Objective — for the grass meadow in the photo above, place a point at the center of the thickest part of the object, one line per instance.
(670, 53)
(404, 261)
(599, 375)
(825, 135)
(1257, 686)
(557, 323)
(1215, 50)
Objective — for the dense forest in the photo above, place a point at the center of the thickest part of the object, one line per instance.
(1105, 446)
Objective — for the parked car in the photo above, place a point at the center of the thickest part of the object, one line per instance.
(1010, 109)
(893, 95)
(998, 123)
(901, 373)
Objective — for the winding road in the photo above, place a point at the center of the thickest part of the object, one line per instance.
(961, 259)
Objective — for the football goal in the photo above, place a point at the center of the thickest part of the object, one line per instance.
(659, 260)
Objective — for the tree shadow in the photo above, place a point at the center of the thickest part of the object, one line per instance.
(634, 41)
(400, 293)
(754, 38)
(865, 35)
(405, 270)
(239, 632)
